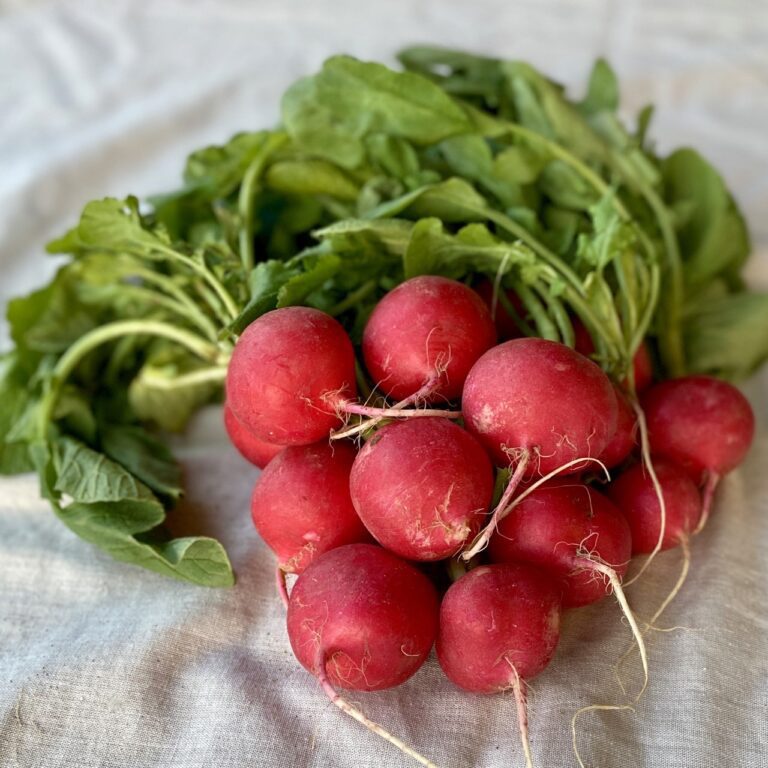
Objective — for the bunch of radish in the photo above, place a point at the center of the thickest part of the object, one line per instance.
(489, 457)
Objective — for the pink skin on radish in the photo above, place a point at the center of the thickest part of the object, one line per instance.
(289, 372)
(506, 325)
(624, 439)
(634, 494)
(541, 397)
(499, 626)
(563, 526)
(424, 336)
(641, 363)
(301, 505)
(422, 487)
(249, 446)
(539, 407)
(702, 424)
(362, 619)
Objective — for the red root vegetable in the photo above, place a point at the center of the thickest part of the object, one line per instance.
(634, 494)
(290, 371)
(539, 407)
(424, 336)
(362, 619)
(249, 446)
(575, 533)
(422, 487)
(499, 626)
(704, 425)
(301, 505)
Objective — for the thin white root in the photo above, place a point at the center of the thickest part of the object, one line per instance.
(554, 473)
(501, 510)
(651, 624)
(610, 574)
(518, 688)
(355, 713)
(645, 451)
(367, 424)
(282, 587)
(707, 499)
(592, 708)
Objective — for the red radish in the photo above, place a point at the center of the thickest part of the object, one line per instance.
(289, 372)
(499, 626)
(560, 526)
(506, 324)
(422, 487)
(250, 447)
(634, 494)
(642, 364)
(575, 533)
(424, 336)
(301, 505)
(540, 405)
(540, 399)
(362, 619)
(624, 440)
(292, 375)
(704, 425)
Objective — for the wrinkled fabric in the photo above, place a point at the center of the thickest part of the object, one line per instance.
(103, 665)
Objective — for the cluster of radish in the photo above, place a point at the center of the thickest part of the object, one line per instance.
(490, 457)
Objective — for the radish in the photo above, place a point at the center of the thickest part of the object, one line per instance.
(566, 527)
(624, 440)
(290, 371)
(424, 336)
(292, 375)
(634, 494)
(576, 534)
(250, 447)
(362, 619)
(506, 324)
(704, 425)
(499, 626)
(301, 505)
(422, 487)
(540, 406)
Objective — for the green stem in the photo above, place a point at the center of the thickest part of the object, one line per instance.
(546, 328)
(248, 188)
(193, 312)
(560, 316)
(521, 233)
(87, 343)
(213, 375)
(353, 298)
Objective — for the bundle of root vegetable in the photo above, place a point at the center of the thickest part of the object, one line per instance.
(459, 317)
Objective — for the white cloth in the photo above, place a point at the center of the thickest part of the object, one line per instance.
(103, 665)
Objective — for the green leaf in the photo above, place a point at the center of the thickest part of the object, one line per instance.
(111, 525)
(311, 177)
(603, 90)
(330, 114)
(15, 397)
(264, 284)
(296, 289)
(714, 238)
(88, 476)
(143, 456)
(727, 336)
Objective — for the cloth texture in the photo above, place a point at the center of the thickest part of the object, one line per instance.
(104, 665)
